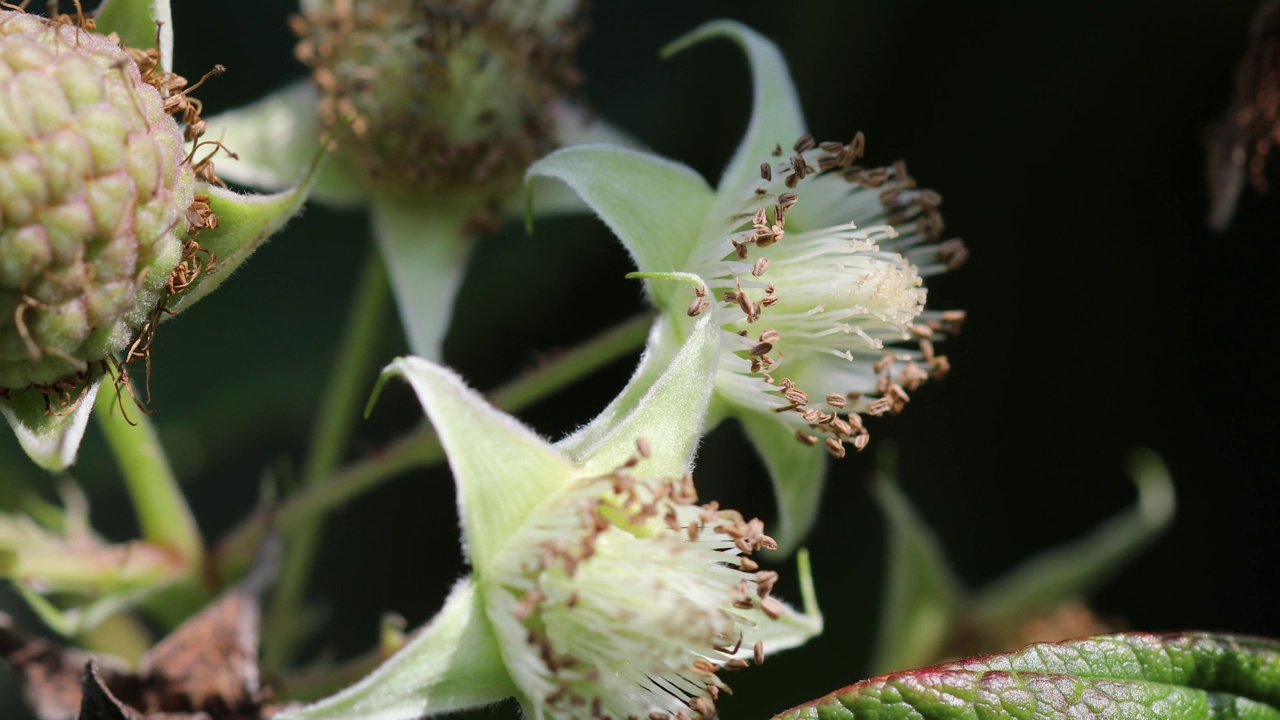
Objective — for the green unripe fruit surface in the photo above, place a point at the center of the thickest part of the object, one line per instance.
(93, 191)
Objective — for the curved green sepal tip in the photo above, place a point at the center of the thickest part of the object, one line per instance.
(654, 206)
(776, 117)
(244, 223)
(50, 440)
(1136, 676)
(502, 469)
(139, 23)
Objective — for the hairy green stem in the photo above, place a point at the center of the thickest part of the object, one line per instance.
(164, 518)
(336, 415)
(421, 447)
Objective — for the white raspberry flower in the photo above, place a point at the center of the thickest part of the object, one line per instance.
(811, 265)
(601, 588)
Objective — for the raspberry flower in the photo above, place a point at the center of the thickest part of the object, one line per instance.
(811, 266)
(110, 215)
(449, 101)
(600, 586)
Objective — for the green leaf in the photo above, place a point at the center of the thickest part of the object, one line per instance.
(275, 141)
(922, 595)
(798, 473)
(501, 468)
(776, 117)
(50, 440)
(244, 223)
(136, 22)
(667, 407)
(425, 247)
(1135, 676)
(653, 205)
(451, 664)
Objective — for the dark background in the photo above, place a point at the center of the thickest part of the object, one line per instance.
(1104, 315)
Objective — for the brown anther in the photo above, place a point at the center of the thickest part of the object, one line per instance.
(806, 142)
(842, 428)
(697, 307)
(836, 400)
(703, 706)
(642, 447)
(704, 667)
(596, 709)
(835, 447)
(792, 181)
(766, 171)
(830, 147)
(736, 664)
(772, 608)
(806, 439)
(787, 200)
(777, 150)
(748, 565)
(765, 580)
(760, 349)
(762, 264)
(858, 146)
(860, 441)
(883, 364)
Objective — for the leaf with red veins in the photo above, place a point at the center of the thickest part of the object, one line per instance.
(1137, 676)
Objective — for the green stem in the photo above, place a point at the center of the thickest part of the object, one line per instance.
(329, 441)
(163, 516)
(421, 447)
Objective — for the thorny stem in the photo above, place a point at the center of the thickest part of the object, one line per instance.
(164, 518)
(329, 441)
(421, 447)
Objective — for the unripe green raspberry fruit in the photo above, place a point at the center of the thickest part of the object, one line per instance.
(93, 189)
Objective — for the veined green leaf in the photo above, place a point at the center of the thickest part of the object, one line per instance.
(1136, 676)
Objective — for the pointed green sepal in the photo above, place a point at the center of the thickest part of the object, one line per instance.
(571, 125)
(275, 141)
(245, 222)
(798, 473)
(1078, 567)
(50, 439)
(501, 468)
(1136, 676)
(776, 117)
(665, 403)
(139, 24)
(451, 664)
(922, 595)
(425, 247)
(653, 205)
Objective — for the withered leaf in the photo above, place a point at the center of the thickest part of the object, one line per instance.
(97, 702)
(50, 675)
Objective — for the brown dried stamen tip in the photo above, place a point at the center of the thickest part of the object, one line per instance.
(772, 608)
(835, 447)
(766, 171)
(758, 651)
(762, 264)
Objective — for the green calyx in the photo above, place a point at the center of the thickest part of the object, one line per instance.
(442, 93)
(94, 188)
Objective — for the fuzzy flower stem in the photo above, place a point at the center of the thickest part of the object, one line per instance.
(421, 447)
(163, 515)
(329, 441)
